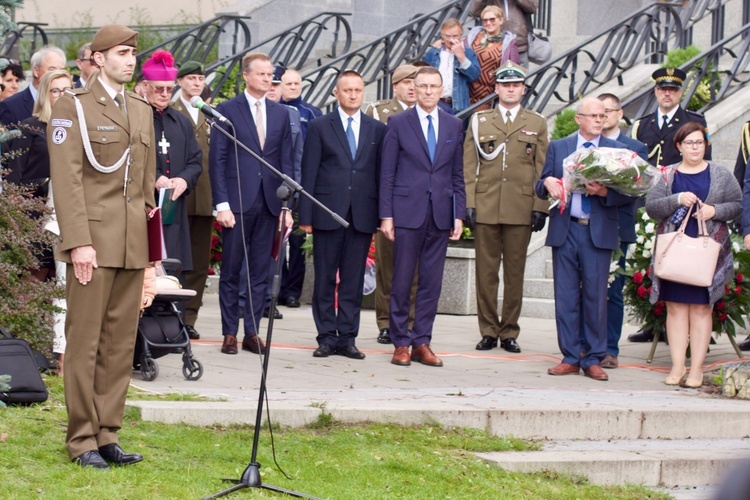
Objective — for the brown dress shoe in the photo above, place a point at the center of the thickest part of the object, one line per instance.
(564, 369)
(230, 344)
(596, 372)
(401, 356)
(610, 362)
(423, 354)
(254, 344)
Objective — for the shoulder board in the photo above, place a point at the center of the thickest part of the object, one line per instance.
(136, 96)
(643, 117)
(382, 102)
(484, 111)
(537, 114)
(695, 114)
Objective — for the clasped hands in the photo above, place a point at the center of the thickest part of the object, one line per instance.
(688, 199)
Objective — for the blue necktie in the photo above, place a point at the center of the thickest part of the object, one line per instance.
(350, 138)
(585, 200)
(431, 139)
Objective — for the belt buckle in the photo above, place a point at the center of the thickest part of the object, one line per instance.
(583, 222)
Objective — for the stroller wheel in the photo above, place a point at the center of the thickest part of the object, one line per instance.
(192, 369)
(149, 369)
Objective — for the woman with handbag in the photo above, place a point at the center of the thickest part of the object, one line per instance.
(713, 188)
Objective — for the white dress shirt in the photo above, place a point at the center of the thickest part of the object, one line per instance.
(576, 210)
(355, 123)
(193, 111)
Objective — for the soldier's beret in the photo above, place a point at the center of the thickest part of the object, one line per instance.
(510, 72)
(190, 68)
(112, 35)
(403, 72)
(669, 77)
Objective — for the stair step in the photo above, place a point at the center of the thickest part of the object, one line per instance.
(692, 462)
(539, 288)
(534, 307)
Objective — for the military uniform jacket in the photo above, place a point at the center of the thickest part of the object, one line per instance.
(199, 200)
(660, 142)
(382, 110)
(502, 190)
(107, 211)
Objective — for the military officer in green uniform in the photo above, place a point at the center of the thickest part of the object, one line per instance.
(504, 153)
(657, 130)
(404, 97)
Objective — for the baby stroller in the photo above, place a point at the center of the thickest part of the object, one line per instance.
(161, 330)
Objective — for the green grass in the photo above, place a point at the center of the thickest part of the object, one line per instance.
(327, 459)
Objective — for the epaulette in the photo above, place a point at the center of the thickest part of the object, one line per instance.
(380, 102)
(643, 117)
(133, 94)
(695, 114)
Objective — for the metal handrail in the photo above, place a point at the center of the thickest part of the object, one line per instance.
(733, 52)
(376, 60)
(199, 42)
(646, 35)
(11, 38)
(291, 48)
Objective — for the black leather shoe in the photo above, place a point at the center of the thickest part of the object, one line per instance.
(486, 344)
(350, 351)
(510, 345)
(384, 337)
(91, 459)
(276, 313)
(192, 334)
(645, 334)
(114, 454)
(292, 302)
(745, 344)
(324, 351)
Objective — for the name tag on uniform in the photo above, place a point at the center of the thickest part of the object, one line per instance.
(106, 128)
(59, 122)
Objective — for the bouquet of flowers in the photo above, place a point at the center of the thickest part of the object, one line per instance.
(619, 169)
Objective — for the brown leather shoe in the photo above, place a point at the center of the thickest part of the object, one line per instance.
(596, 372)
(401, 356)
(254, 344)
(564, 369)
(610, 362)
(423, 354)
(230, 344)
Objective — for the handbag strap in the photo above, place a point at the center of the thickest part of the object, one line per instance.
(702, 229)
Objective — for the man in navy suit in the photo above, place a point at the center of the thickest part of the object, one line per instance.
(244, 191)
(340, 168)
(422, 205)
(86, 65)
(582, 238)
(18, 107)
(615, 305)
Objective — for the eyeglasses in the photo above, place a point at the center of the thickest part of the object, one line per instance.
(161, 90)
(608, 110)
(489, 20)
(694, 144)
(594, 116)
(429, 86)
(57, 92)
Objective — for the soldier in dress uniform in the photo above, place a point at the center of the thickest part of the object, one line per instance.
(191, 79)
(404, 97)
(504, 154)
(657, 130)
(104, 178)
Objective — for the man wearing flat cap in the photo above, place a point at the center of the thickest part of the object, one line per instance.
(656, 130)
(404, 97)
(106, 178)
(504, 153)
(179, 159)
(191, 79)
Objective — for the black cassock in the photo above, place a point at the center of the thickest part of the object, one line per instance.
(177, 155)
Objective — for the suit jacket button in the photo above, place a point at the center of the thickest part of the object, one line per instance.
(128, 199)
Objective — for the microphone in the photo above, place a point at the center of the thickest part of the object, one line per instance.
(207, 110)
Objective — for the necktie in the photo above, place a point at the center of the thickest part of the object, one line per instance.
(431, 139)
(665, 119)
(585, 200)
(350, 138)
(259, 125)
(121, 104)
(508, 119)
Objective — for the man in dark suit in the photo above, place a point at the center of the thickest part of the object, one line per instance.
(20, 106)
(422, 204)
(656, 130)
(615, 305)
(582, 238)
(340, 168)
(86, 65)
(244, 191)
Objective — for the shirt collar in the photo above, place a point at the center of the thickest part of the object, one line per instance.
(252, 100)
(513, 111)
(582, 141)
(34, 92)
(345, 117)
(110, 91)
(423, 114)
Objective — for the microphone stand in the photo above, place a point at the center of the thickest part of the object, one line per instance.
(251, 476)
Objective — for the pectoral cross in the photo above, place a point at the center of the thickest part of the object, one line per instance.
(163, 144)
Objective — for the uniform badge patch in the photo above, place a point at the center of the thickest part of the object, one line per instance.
(107, 128)
(59, 135)
(59, 122)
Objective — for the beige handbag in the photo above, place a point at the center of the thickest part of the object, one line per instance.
(684, 259)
